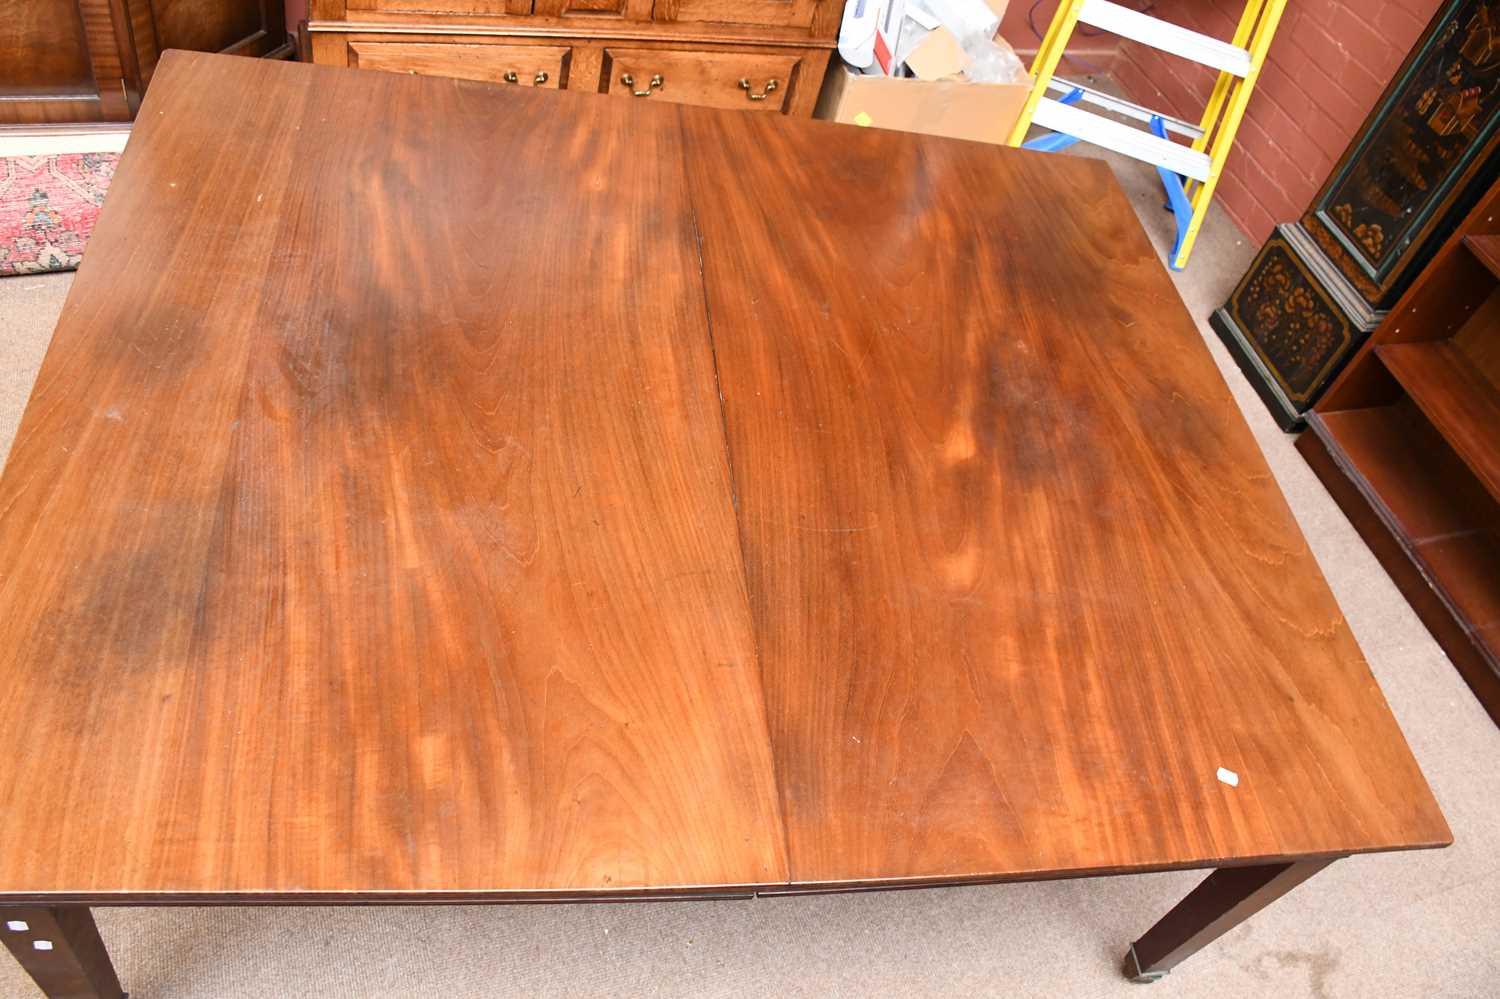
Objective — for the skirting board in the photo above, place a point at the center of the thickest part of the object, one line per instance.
(55, 140)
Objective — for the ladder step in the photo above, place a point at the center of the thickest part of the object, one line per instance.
(1122, 139)
(1163, 35)
(1121, 106)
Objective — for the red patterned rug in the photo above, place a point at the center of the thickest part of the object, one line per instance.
(48, 205)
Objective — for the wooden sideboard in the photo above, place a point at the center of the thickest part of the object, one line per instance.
(760, 55)
(71, 61)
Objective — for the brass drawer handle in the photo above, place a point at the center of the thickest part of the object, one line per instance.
(539, 79)
(511, 76)
(771, 85)
(656, 81)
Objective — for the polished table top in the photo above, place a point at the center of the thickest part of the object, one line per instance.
(446, 490)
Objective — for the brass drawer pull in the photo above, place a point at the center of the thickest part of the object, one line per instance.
(771, 85)
(656, 81)
(511, 76)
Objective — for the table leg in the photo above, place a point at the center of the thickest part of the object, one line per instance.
(61, 950)
(1226, 898)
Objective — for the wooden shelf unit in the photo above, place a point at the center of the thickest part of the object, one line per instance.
(1462, 404)
(1486, 249)
(1407, 440)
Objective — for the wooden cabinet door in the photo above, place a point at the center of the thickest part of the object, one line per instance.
(629, 10)
(67, 61)
(778, 13)
(60, 61)
(352, 8)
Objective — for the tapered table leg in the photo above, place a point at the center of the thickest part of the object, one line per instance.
(1226, 898)
(61, 950)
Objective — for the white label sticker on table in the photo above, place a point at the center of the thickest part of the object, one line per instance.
(1229, 777)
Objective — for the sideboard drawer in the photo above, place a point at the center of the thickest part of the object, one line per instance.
(524, 65)
(744, 80)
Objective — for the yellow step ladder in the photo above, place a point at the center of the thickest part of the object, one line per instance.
(1188, 172)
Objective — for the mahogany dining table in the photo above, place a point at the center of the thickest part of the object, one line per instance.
(440, 492)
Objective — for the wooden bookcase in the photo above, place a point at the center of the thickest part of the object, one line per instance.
(1407, 440)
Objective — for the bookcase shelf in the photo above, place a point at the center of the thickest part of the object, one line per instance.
(1486, 249)
(1407, 440)
(1433, 526)
(1464, 406)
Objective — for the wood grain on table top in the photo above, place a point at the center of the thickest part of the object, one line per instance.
(376, 527)
(1021, 578)
(345, 524)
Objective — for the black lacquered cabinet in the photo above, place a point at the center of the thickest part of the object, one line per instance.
(1320, 285)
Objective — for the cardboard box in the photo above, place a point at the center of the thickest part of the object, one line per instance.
(958, 109)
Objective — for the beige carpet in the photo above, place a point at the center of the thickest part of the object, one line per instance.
(1408, 925)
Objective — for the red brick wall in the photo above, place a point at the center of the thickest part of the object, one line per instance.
(1328, 64)
(1027, 20)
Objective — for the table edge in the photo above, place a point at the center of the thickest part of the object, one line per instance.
(673, 893)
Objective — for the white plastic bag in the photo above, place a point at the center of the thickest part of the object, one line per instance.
(991, 61)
